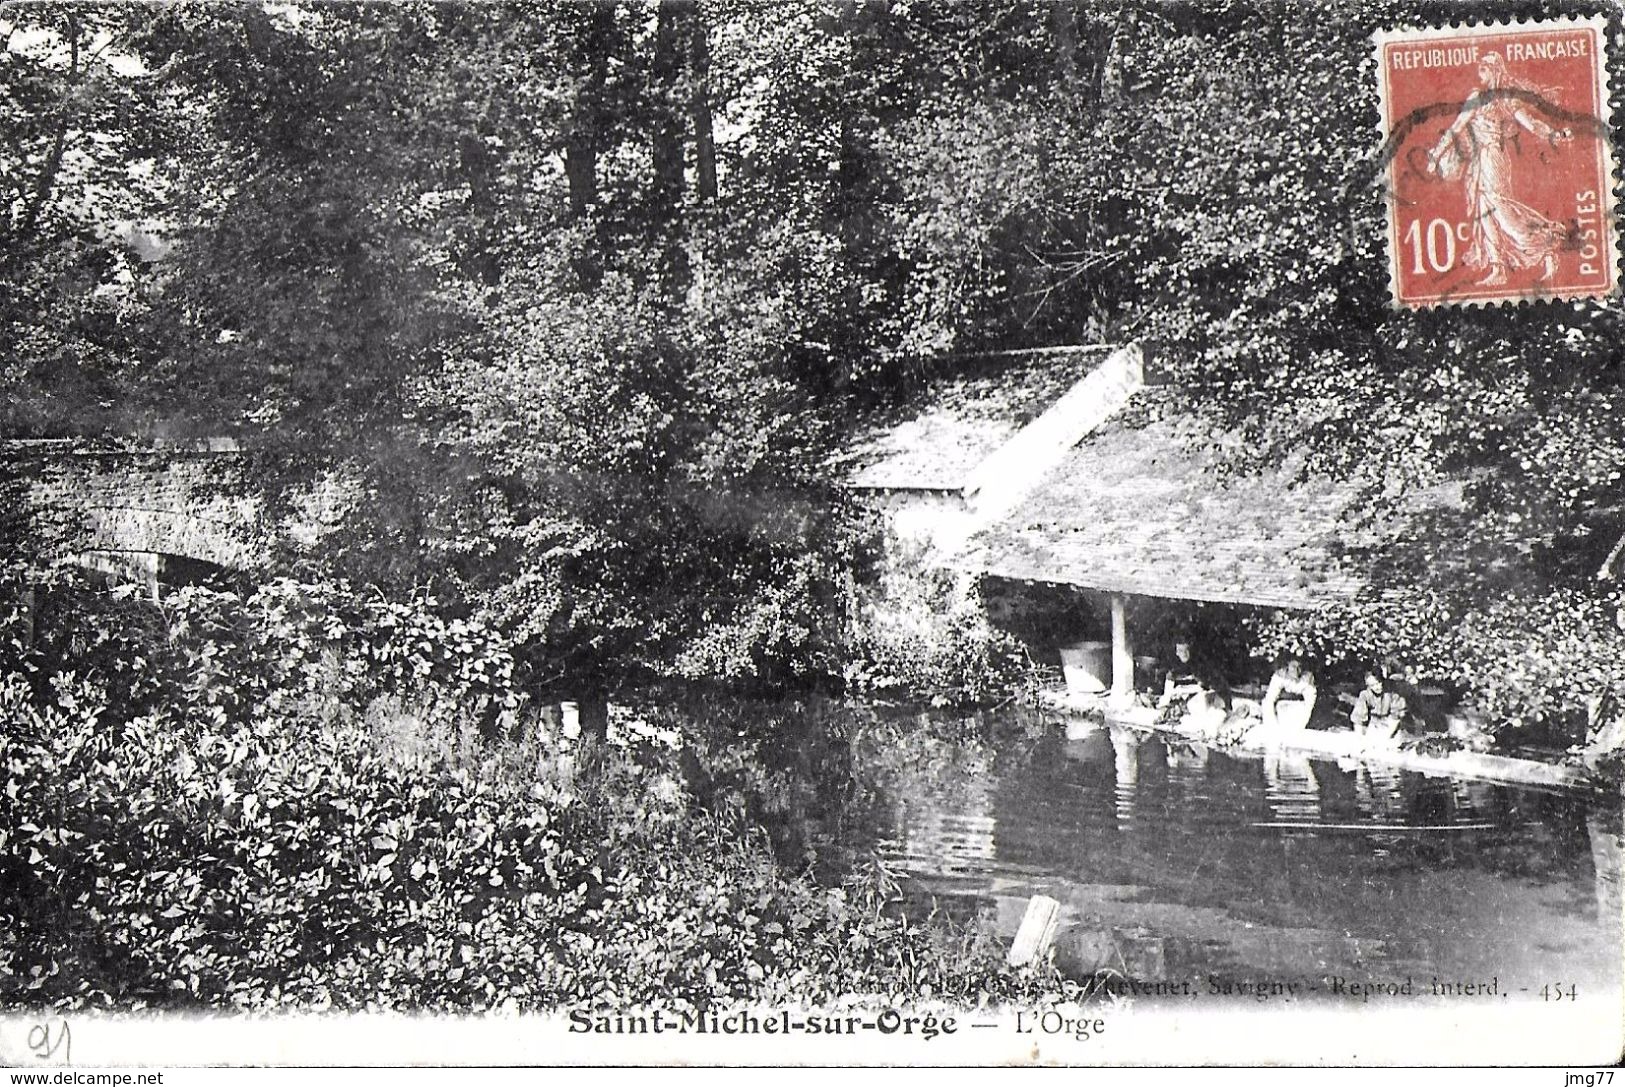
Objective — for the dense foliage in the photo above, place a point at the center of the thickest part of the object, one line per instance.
(309, 842)
(1265, 254)
(927, 635)
(570, 305)
(578, 299)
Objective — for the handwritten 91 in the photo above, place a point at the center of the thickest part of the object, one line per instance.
(48, 1040)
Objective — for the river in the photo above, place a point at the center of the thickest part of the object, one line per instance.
(1188, 865)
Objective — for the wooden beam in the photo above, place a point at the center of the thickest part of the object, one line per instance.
(1037, 931)
(1122, 652)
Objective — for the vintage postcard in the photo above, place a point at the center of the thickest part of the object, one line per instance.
(814, 533)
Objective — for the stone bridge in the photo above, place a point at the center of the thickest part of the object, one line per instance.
(153, 515)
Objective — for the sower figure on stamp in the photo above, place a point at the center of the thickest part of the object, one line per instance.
(1478, 148)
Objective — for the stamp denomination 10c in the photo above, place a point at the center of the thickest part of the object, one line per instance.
(1500, 172)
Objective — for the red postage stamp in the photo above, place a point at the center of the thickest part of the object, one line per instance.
(1500, 171)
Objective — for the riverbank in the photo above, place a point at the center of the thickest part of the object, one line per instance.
(305, 799)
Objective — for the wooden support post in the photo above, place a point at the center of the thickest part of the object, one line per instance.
(1037, 931)
(1122, 652)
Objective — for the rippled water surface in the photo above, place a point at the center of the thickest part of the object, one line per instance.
(1177, 862)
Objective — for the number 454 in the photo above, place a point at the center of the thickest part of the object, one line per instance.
(1441, 239)
(1558, 991)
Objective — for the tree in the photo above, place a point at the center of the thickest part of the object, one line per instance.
(77, 129)
(1257, 262)
(536, 281)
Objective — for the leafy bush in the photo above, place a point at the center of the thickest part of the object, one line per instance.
(1528, 658)
(924, 633)
(242, 840)
(285, 646)
(780, 632)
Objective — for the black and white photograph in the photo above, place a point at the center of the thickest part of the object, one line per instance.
(811, 533)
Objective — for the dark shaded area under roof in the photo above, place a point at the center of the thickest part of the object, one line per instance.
(1138, 507)
(934, 439)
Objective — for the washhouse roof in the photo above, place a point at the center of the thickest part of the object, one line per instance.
(1613, 564)
(1139, 507)
(935, 439)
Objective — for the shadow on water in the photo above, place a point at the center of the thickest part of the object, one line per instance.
(1180, 862)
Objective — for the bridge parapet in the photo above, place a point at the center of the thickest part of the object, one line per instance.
(133, 503)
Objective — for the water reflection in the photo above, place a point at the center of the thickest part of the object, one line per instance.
(1126, 764)
(955, 842)
(1175, 857)
(1473, 798)
(1089, 745)
(1380, 791)
(1187, 762)
(1291, 789)
(1604, 830)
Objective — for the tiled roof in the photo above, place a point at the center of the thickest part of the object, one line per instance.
(1137, 507)
(1615, 560)
(935, 439)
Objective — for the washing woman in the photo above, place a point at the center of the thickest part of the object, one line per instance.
(1194, 693)
(1290, 698)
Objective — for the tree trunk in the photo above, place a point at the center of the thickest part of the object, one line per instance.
(53, 161)
(850, 166)
(585, 135)
(1064, 25)
(666, 194)
(479, 169)
(1112, 76)
(581, 169)
(705, 150)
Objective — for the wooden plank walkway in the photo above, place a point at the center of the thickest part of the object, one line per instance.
(1342, 744)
